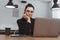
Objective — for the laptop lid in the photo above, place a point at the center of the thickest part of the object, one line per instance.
(45, 27)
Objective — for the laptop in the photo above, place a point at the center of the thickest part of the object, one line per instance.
(45, 27)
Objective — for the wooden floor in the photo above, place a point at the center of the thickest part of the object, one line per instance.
(4, 37)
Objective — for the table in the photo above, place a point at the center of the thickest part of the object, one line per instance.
(8, 37)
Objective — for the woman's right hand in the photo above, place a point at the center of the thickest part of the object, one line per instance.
(27, 18)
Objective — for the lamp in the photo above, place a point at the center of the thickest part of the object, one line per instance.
(55, 5)
(23, 1)
(56, 10)
(11, 5)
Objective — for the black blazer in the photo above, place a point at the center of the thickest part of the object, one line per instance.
(25, 27)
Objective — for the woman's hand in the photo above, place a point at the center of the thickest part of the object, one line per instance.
(27, 18)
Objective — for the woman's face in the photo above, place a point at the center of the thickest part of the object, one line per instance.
(29, 11)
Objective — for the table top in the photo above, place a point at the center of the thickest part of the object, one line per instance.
(8, 37)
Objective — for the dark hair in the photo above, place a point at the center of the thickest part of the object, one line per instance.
(29, 5)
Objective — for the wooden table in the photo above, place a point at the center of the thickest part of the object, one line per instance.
(5, 37)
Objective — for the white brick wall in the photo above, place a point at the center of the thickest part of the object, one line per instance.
(7, 20)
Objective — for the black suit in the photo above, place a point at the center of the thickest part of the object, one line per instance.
(25, 27)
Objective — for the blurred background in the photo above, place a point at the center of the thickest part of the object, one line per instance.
(9, 16)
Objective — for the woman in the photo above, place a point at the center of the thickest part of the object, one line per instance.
(26, 23)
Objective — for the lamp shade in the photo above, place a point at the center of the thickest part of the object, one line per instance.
(23, 1)
(10, 4)
(55, 5)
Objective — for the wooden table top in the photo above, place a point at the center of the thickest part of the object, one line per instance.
(6, 37)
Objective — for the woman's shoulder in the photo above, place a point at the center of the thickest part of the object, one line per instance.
(33, 18)
(19, 19)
